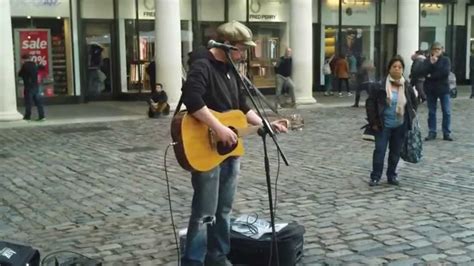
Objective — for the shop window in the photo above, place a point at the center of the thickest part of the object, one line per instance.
(98, 36)
(264, 57)
(355, 44)
(140, 53)
(48, 42)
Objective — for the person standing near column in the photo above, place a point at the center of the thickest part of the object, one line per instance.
(436, 70)
(283, 78)
(31, 93)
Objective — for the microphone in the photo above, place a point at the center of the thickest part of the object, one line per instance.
(227, 47)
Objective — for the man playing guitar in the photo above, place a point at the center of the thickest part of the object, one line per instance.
(211, 84)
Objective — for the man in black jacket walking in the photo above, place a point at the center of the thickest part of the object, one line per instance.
(436, 69)
(29, 74)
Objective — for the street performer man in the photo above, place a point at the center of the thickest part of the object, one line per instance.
(212, 84)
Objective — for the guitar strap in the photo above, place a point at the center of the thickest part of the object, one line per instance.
(178, 107)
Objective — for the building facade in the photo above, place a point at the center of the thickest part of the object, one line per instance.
(102, 49)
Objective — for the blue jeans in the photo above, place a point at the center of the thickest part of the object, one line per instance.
(445, 101)
(32, 95)
(284, 82)
(208, 236)
(328, 82)
(393, 137)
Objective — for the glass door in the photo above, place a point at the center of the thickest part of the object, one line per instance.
(99, 48)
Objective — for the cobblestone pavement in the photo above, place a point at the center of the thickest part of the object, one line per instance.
(100, 189)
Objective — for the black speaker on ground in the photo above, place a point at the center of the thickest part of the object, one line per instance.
(249, 251)
(256, 252)
(18, 255)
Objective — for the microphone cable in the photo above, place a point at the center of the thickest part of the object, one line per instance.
(170, 205)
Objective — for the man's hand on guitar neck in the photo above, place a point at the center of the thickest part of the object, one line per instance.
(278, 125)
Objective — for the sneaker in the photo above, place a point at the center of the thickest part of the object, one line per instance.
(373, 182)
(430, 137)
(355, 105)
(447, 137)
(349, 94)
(340, 94)
(41, 119)
(26, 118)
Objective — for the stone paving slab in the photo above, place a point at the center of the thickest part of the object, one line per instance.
(103, 193)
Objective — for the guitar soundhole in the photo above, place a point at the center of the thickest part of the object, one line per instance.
(222, 149)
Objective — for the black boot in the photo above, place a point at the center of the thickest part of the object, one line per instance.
(447, 137)
(393, 181)
(430, 137)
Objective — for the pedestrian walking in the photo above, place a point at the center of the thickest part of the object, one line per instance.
(416, 74)
(342, 74)
(283, 78)
(31, 93)
(328, 71)
(365, 78)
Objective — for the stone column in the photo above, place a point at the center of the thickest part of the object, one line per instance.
(408, 31)
(301, 43)
(168, 48)
(8, 108)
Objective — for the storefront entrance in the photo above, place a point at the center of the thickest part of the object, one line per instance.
(99, 60)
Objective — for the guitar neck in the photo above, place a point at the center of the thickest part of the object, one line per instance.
(243, 132)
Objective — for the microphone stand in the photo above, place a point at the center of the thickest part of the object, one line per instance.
(259, 94)
(263, 132)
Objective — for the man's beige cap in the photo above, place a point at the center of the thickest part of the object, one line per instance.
(235, 32)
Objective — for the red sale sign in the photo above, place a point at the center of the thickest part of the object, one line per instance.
(34, 43)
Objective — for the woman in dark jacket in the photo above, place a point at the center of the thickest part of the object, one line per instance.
(391, 109)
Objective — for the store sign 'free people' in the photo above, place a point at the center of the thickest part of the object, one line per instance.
(35, 44)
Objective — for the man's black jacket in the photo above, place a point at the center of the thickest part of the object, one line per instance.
(212, 83)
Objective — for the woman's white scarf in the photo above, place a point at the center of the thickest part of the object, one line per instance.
(401, 100)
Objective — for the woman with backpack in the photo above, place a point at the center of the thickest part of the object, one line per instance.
(328, 77)
(391, 109)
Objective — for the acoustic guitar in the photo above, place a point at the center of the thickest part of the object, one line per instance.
(196, 145)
